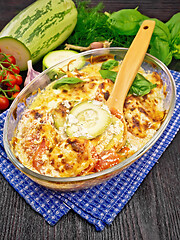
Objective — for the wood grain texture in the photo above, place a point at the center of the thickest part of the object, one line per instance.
(151, 214)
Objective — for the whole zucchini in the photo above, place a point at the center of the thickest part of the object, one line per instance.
(42, 26)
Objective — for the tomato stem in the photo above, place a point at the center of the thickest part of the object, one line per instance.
(8, 74)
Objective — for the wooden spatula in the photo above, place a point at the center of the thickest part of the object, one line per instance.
(130, 66)
(127, 72)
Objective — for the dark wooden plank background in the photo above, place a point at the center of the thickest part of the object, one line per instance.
(152, 213)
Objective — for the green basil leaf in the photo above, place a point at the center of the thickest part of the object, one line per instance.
(174, 25)
(161, 31)
(174, 28)
(176, 47)
(109, 64)
(141, 86)
(107, 74)
(160, 42)
(161, 49)
(126, 21)
(66, 80)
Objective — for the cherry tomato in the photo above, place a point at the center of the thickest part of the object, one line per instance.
(15, 69)
(4, 102)
(16, 89)
(11, 78)
(19, 80)
(9, 60)
(15, 94)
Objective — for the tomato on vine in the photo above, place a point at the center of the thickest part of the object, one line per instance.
(15, 94)
(15, 69)
(11, 79)
(4, 102)
(19, 80)
(11, 91)
(8, 60)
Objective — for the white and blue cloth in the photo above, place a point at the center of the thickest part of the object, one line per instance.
(99, 205)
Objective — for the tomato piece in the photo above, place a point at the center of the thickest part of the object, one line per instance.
(124, 150)
(37, 158)
(4, 102)
(19, 79)
(9, 60)
(11, 78)
(107, 159)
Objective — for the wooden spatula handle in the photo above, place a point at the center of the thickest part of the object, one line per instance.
(130, 65)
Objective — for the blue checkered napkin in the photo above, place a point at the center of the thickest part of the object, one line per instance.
(99, 205)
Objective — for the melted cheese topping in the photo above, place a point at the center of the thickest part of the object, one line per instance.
(41, 142)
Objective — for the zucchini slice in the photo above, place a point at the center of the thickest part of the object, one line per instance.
(17, 49)
(87, 120)
(58, 119)
(54, 57)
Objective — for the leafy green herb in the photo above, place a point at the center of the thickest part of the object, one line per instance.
(108, 74)
(109, 64)
(141, 86)
(174, 27)
(126, 21)
(92, 26)
(160, 42)
(161, 50)
(66, 80)
(120, 28)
